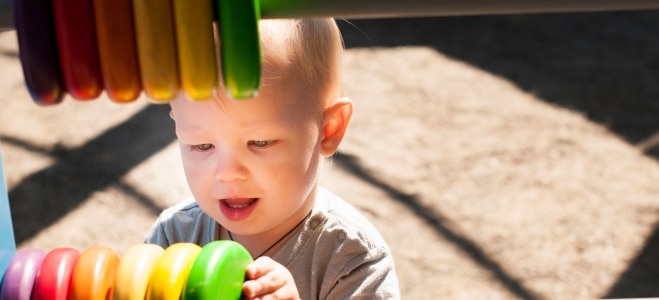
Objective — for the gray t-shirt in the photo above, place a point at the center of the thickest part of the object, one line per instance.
(338, 254)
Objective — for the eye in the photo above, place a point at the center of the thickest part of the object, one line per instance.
(259, 144)
(202, 147)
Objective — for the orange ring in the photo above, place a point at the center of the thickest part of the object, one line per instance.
(93, 276)
(116, 49)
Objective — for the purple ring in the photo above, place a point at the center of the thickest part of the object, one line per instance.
(37, 44)
(20, 275)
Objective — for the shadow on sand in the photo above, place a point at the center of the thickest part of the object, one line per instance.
(604, 65)
(93, 166)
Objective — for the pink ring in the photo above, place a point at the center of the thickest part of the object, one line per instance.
(21, 274)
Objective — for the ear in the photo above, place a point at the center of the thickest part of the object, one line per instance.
(335, 122)
(171, 114)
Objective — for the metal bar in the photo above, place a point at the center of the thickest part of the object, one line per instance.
(410, 8)
(6, 15)
(418, 8)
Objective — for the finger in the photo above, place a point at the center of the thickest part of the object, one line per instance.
(266, 284)
(260, 267)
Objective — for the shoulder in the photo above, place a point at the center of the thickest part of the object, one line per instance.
(186, 209)
(336, 230)
(182, 222)
(342, 220)
(344, 251)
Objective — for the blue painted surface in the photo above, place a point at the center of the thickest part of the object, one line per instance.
(7, 240)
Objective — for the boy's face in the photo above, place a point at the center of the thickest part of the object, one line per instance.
(252, 165)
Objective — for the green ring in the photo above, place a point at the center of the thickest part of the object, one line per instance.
(218, 272)
(240, 46)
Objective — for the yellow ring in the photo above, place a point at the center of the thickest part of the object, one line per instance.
(172, 271)
(156, 48)
(134, 271)
(196, 48)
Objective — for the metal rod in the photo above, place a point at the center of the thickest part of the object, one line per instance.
(410, 8)
(6, 15)
(418, 8)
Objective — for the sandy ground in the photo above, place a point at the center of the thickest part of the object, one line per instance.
(502, 157)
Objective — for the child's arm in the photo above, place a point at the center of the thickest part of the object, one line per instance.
(267, 279)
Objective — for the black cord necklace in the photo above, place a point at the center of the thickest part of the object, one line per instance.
(281, 238)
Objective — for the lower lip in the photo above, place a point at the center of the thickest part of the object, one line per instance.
(237, 214)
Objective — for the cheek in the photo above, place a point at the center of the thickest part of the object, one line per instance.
(299, 168)
(197, 173)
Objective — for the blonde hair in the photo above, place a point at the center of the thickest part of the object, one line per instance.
(311, 48)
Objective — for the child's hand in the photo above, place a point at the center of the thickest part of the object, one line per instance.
(267, 279)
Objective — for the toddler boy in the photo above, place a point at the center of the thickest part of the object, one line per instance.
(253, 167)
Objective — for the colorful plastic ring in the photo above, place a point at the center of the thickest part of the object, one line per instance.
(76, 41)
(218, 272)
(19, 277)
(240, 47)
(33, 20)
(55, 275)
(170, 275)
(117, 49)
(156, 48)
(195, 42)
(93, 276)
(134, 271)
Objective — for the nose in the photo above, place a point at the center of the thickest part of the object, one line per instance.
(230, 167)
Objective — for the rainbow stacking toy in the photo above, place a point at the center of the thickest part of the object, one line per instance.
(84, 47)
(124, 47)
(146, 271)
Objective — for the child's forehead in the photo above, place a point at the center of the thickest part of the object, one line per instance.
(271, 106)
(283, 90)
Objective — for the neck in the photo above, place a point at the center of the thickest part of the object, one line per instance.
(267, 244)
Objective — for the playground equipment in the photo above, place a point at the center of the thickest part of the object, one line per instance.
(124, 56)
(162, 47)
(146, 271)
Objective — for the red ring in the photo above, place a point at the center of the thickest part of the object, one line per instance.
(55, 275)
(76, 41)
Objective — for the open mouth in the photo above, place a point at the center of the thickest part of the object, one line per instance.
(237, 209)
(238, 203)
